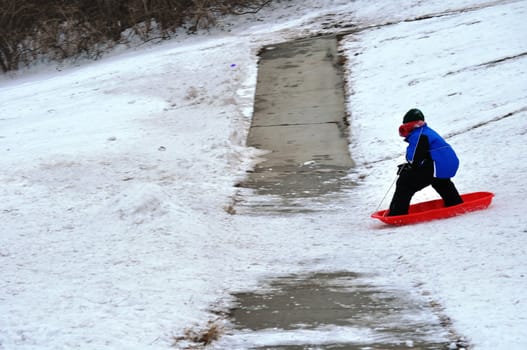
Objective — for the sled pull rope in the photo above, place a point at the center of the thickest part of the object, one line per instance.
(383, 198)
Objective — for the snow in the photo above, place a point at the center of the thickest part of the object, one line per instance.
(116, 176)
(324, 334)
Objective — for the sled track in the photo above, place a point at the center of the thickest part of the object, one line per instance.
(485, 123)
(451, 12)
(488, 64)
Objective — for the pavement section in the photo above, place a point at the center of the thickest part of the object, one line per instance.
(299, 117)
(340, 310)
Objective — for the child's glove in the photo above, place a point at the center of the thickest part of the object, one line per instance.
(403, 167)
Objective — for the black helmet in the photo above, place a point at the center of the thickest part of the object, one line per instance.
(412, 115)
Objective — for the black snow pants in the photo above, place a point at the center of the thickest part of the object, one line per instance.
(413, 180)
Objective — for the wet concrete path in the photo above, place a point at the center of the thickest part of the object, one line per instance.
(299, 116)
(339, 310)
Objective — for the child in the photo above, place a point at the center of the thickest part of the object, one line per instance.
(430, 161)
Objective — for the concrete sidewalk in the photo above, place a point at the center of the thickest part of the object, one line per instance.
(300, 118)
(340, 310)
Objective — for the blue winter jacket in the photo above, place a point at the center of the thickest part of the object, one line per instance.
(443, 156)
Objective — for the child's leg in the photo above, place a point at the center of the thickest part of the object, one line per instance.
(408, 184)
(447, 190)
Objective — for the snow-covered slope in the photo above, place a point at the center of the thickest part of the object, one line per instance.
(116, 176)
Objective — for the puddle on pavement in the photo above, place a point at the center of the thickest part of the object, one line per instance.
(299, 116)
(333, 311)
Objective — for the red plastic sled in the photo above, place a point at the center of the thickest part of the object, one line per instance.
(435, 209)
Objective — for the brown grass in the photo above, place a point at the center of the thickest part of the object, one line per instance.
(201, 337)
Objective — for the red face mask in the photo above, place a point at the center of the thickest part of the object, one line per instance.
(406, 128)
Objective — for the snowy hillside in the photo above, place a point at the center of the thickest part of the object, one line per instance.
(117, 177)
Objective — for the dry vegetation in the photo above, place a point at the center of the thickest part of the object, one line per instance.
(196, 339)
(59, 29)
